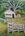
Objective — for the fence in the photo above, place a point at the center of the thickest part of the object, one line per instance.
(12, 27)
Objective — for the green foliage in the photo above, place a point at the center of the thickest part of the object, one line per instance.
(3, 7)
(4, 4)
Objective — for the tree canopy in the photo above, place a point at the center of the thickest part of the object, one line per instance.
(16, 4)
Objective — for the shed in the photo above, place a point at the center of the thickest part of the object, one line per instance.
(9, 14)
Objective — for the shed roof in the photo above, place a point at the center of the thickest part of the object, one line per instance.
(9, 12)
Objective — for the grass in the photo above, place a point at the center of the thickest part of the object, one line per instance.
(17, 21)
(16, 34)
(2, 27)
(1, 34)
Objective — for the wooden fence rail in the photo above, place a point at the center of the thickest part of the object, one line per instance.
(12, 27)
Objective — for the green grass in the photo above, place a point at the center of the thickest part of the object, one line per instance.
(1, 34)
(16, 34)
(17, 21)
(2, 27)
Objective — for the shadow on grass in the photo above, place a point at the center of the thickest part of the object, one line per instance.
(17, 34)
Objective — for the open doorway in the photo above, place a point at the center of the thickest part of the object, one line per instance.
(12, 15)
